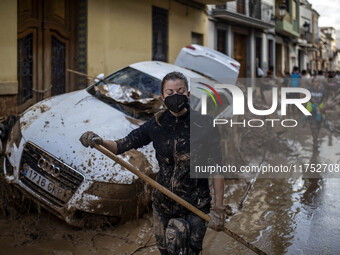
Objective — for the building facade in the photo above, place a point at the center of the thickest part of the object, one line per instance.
(244, 30)
(328, 49)
(305, 42)
(45, 38)
(287, 29)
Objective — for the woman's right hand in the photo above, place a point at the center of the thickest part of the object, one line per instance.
(90, 139)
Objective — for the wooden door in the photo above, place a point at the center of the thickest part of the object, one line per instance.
(29, 52)
(241, 6)
(46, 47)
(240, 53)
(278, 60)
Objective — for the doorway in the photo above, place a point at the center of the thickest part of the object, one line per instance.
(278, 60)
(47, 46)
(240, 52)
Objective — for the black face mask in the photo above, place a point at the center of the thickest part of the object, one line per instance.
(176, 102)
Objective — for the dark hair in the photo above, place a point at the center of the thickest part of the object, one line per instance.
(316, 79)
(174, 76)
(295, 69)
(304, 72)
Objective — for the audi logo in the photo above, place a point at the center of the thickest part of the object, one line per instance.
(49, 167)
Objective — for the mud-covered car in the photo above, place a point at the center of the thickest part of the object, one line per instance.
(45, 160)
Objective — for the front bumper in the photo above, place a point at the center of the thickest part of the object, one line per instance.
(84, 197)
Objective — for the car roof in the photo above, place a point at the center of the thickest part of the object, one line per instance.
(159, 69)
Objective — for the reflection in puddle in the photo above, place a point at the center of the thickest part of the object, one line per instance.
(292, 216)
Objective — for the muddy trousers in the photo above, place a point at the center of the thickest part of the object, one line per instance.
(194, 235)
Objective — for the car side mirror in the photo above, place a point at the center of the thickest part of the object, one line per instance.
(99, 77)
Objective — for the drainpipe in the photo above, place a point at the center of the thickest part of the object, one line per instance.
(230, 42)
(264, 57)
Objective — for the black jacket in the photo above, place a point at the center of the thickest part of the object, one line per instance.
(171, 139)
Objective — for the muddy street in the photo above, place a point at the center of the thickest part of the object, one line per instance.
(280, 216)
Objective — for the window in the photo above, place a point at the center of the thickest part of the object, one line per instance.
(138, 104)
(25, 68)
(58, 65)
(222, 41)
(196, 38)
(240, 6)
(294, 10)
(135, 79)
(287, 2)
(159, 34)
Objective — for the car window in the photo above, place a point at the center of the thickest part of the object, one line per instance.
(130, 91)
(136, 79)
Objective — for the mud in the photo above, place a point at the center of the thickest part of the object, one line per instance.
(280, 216)
(8, 105)
(131, 99)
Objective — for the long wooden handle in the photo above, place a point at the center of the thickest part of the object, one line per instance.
(173, 196)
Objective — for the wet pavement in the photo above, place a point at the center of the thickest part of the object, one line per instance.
(290, 216)
(280, 216)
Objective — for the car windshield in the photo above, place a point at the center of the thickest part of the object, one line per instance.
(131, 91)
(136, 79)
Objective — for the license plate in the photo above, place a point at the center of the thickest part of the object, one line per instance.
(44, 183)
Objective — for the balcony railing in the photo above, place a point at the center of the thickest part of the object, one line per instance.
(254, 9)
(306, 35)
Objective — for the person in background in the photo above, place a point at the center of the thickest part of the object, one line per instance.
(337, 80)
(286, 79)
(267, 83)
(294, 83)
(305, 80)
(337, 75)
(316, 107)
(322, 79)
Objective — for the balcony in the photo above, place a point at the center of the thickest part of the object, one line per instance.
(256, 14)
(286, 28)
(288, 25)
(306, 36)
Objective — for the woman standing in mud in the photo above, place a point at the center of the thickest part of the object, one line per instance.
(177, 230)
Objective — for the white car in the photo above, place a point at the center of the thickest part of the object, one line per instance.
(45, 159)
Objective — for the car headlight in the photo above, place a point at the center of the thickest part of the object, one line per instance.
(15, 136)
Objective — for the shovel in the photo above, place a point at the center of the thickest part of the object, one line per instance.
(173, 196)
